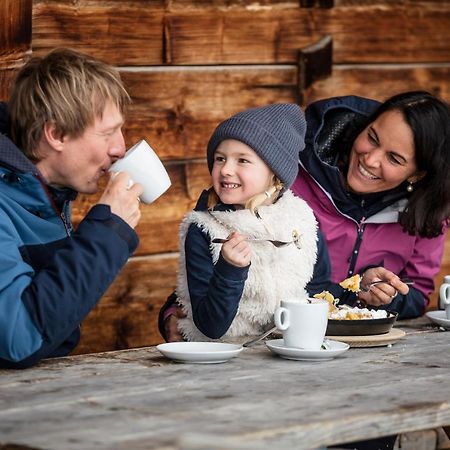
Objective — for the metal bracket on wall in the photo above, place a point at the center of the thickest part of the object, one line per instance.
(321, 3)
(314, 63)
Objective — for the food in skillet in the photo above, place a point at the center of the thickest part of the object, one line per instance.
(345, 312)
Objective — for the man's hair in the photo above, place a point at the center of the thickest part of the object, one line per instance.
(67, 88)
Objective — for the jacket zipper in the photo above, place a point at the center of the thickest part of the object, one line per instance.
(61, 214)
(359, 235)
(65, 223)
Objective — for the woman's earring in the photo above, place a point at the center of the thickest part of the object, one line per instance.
(410, 187)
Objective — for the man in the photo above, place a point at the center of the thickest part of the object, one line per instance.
(66, 112)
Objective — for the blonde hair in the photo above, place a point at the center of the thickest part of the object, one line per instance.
(65, 87)
(272, 193)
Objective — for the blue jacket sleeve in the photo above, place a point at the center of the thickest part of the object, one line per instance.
(215, 290)
(47, 307)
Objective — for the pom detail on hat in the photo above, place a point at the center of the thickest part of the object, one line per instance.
(275, 132)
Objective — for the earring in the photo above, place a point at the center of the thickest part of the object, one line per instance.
(410, 187)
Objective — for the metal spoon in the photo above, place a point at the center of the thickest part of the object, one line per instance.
(272, 241)
(259, 338)
(366, 288)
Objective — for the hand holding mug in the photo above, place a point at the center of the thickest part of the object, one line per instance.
(123, 200)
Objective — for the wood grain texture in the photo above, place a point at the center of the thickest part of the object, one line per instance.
(136, 33)
(15, 40)
(15, 31)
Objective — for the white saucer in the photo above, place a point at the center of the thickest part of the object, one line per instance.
(439, 318)
(199, 352)
(298, 354)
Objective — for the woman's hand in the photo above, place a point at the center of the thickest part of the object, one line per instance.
(236, 250)
(383, 293)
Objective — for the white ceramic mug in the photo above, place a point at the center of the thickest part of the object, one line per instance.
(144, 167)
(444, 296)
(303, 322)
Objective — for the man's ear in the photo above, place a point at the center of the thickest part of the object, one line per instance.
(53, 137)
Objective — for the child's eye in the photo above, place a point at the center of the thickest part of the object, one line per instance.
(243, 160)
(219, 158)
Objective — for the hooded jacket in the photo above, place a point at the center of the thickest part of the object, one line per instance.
(51, 275)
(361, 231)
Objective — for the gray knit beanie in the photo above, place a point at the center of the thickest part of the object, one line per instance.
(275, 132)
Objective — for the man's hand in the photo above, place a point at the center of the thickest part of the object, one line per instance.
(122, 199)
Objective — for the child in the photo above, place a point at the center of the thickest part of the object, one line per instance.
(232, 289)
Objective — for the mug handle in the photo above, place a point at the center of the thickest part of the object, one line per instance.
(443, 294)
(281, 318)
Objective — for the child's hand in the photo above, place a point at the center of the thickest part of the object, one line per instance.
(236, 250)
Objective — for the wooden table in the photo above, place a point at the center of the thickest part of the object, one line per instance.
(137, 399)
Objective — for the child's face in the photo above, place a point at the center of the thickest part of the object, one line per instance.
(238, 173)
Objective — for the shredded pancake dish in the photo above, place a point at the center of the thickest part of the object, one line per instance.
(345, 312)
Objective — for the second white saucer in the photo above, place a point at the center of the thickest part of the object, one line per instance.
(336, 348)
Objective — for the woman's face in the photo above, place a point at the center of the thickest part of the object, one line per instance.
(382, 156)
(238, 173)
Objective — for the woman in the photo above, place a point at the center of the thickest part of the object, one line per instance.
(376, 177)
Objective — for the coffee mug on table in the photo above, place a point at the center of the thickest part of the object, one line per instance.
(444, 296)
(303, 322)
(144, 167)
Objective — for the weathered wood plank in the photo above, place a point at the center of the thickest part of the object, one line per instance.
(124, 32)
(381, 81)
(15, 40)
(132, 33)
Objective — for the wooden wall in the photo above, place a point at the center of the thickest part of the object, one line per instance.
(188, 64)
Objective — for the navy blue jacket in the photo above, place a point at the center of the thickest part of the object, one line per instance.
(50, 275)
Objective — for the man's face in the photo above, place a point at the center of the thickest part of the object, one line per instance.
(85, 159)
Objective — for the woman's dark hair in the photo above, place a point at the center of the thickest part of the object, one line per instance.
(428, 117)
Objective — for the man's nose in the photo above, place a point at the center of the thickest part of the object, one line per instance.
(118, 148)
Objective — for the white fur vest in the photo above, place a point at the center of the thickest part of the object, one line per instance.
(274, 274)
